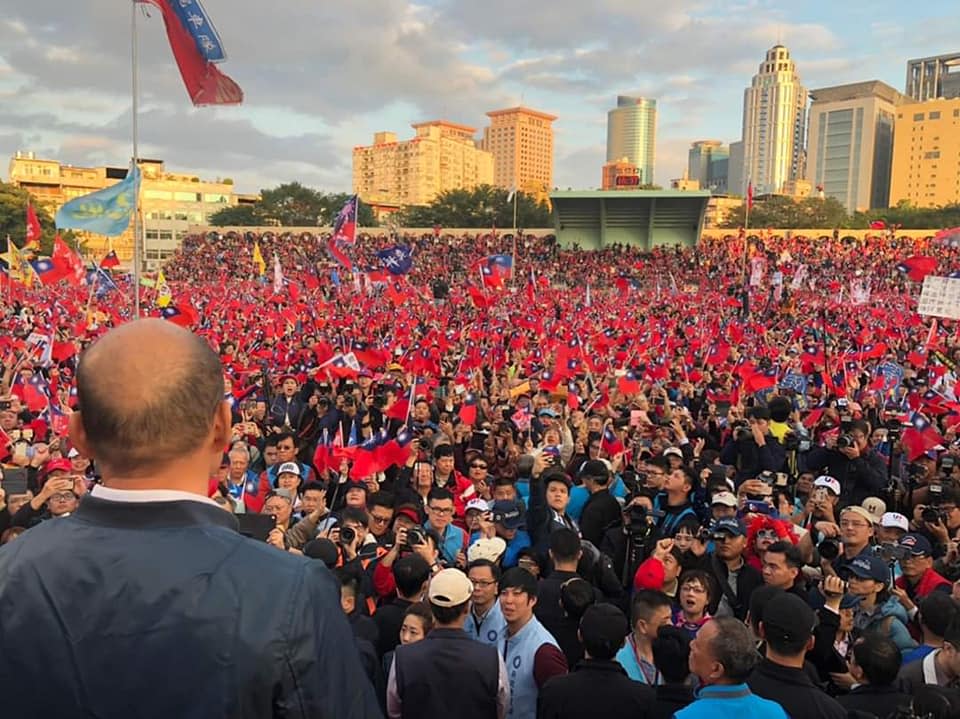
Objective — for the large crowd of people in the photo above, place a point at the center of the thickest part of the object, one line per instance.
(681, 482)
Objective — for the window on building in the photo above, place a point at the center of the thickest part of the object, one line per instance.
(918, 117)
(186, 196)
(934, 115)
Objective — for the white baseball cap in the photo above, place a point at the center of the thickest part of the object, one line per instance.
(895, 520)
(478, 504)
(829, 482)
(289, 468)
(727, 499)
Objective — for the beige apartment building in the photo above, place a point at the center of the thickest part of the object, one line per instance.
(926, 154)
(441, 156)
(169, 202)
(521, 141)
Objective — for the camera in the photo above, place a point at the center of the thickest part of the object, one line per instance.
(946, 464)
(379, 400)
(347, 535)
(933, 515)
(892, 552)
(774, 479)
(415, 536)
(845, 441)
(742, 432)
(791, 442)
(829, 549)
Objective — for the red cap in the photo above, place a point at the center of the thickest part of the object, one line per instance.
(54, 465)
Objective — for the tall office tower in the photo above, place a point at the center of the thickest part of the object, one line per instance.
(774, 123)
(708, 162)
(850, 142)
(632, 133)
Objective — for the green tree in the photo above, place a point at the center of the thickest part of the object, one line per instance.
(787, 213)
(13, 219)
(913, 218)
(481, 207)
(237, 216)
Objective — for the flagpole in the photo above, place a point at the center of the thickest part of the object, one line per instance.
(135, 93)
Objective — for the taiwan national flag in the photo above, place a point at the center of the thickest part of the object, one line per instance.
(184, 315)
(468, 410)
(49, 270)
(110, 260)
(610, 443)
(628, 383)
(918, 267)
(197, 49)
(920, 437)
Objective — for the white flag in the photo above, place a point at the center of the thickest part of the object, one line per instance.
(277, 275)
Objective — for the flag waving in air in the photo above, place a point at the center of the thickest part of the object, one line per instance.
(33, 230)
(197, 49)
(258, 259)
(398, 259)
(344, 230)
(106, 211)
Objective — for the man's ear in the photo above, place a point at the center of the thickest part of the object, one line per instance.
(78, 435)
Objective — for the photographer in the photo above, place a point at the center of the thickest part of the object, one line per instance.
(861, 471)
(752, 448)
(939, 521)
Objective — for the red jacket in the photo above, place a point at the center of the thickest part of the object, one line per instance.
(928, 583)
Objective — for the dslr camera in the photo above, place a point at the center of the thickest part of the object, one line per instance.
(742, 431)
(845, 441)
(415, 536)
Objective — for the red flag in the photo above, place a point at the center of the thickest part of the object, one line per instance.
(468, 410)
(63, 255)
(33, 229)
(110, 260)
(205, 84)
(749, 195)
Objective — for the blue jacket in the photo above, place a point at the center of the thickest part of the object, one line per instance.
(520, 541)
(238, 627)
(452, 541)
(891, 613)
(733, 701)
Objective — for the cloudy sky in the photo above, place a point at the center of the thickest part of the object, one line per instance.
(322, 76)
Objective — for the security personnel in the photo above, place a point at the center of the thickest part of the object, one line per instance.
(448, 674)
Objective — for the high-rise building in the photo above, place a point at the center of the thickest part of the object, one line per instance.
(521, 142)
(708, 162)
(926, 154)
(632, 133)
(441, 156)
(774, 122)
(850, 142)
(169, 202)
(931, 77)
(736, 182)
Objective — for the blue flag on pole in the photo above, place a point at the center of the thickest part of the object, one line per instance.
(105, 212)
(398, 259)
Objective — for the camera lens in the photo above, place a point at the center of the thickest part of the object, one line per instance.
(829, 549)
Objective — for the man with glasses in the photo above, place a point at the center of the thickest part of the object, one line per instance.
(856, 533)
(919, 578)
(287, 452)
(485, 621)
(861, 471)
(380, 510)
(453, 540)
(56, 498)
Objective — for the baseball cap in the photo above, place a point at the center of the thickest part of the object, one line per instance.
(74, 452)
(354, 485)
(917, 545)
(829, 482)
(56, 465)
(849, 601)
(876, 506)
(673, 452)
(449, 588)
(508, 513)
(895, 520)
(788, 618)
(604, 626)
(410, 513)
(594, 468)
(478, 504)
(547, 412)
(365, 373)
(322, 549)
(727, 499)
(394, 367)
(860, 511)
(870, 566)
(734, 527)
(491, 548)
(289, 468)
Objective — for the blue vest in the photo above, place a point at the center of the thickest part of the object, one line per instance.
(627, 658)
(518, 653)
(733, 701)
(489, 630)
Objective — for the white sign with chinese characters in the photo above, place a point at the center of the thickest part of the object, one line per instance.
(940, 297)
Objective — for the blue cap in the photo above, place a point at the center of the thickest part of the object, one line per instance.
(735, 527)
(917, 545)
(850, 601)
(870, 566)
(508, 513)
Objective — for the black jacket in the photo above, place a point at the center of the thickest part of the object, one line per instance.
(873, 701)
(793, 690)
(447, 675)
(554, 619)
(859, 478)
(750, 459)
(600, 512)
(748, 579)
(597, 688)
(670, 698)
(163, 609)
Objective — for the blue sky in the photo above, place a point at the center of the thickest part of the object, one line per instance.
(321, 77)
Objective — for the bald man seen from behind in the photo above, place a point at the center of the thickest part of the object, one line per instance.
(147, 602)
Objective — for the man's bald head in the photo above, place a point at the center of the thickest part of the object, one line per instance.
(148, 393)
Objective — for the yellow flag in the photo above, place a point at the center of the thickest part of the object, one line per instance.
(164, 296)
(258, 259)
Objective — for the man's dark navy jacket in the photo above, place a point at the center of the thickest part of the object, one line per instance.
(162, 609)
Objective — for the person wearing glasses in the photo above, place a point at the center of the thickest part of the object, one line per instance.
(453, 540)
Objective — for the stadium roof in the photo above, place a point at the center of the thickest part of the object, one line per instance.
(627, 194)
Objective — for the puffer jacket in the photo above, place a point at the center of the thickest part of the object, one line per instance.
(889, 618)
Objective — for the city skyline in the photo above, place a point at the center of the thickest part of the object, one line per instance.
(311, 95)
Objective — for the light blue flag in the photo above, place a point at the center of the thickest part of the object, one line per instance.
(105, 212)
